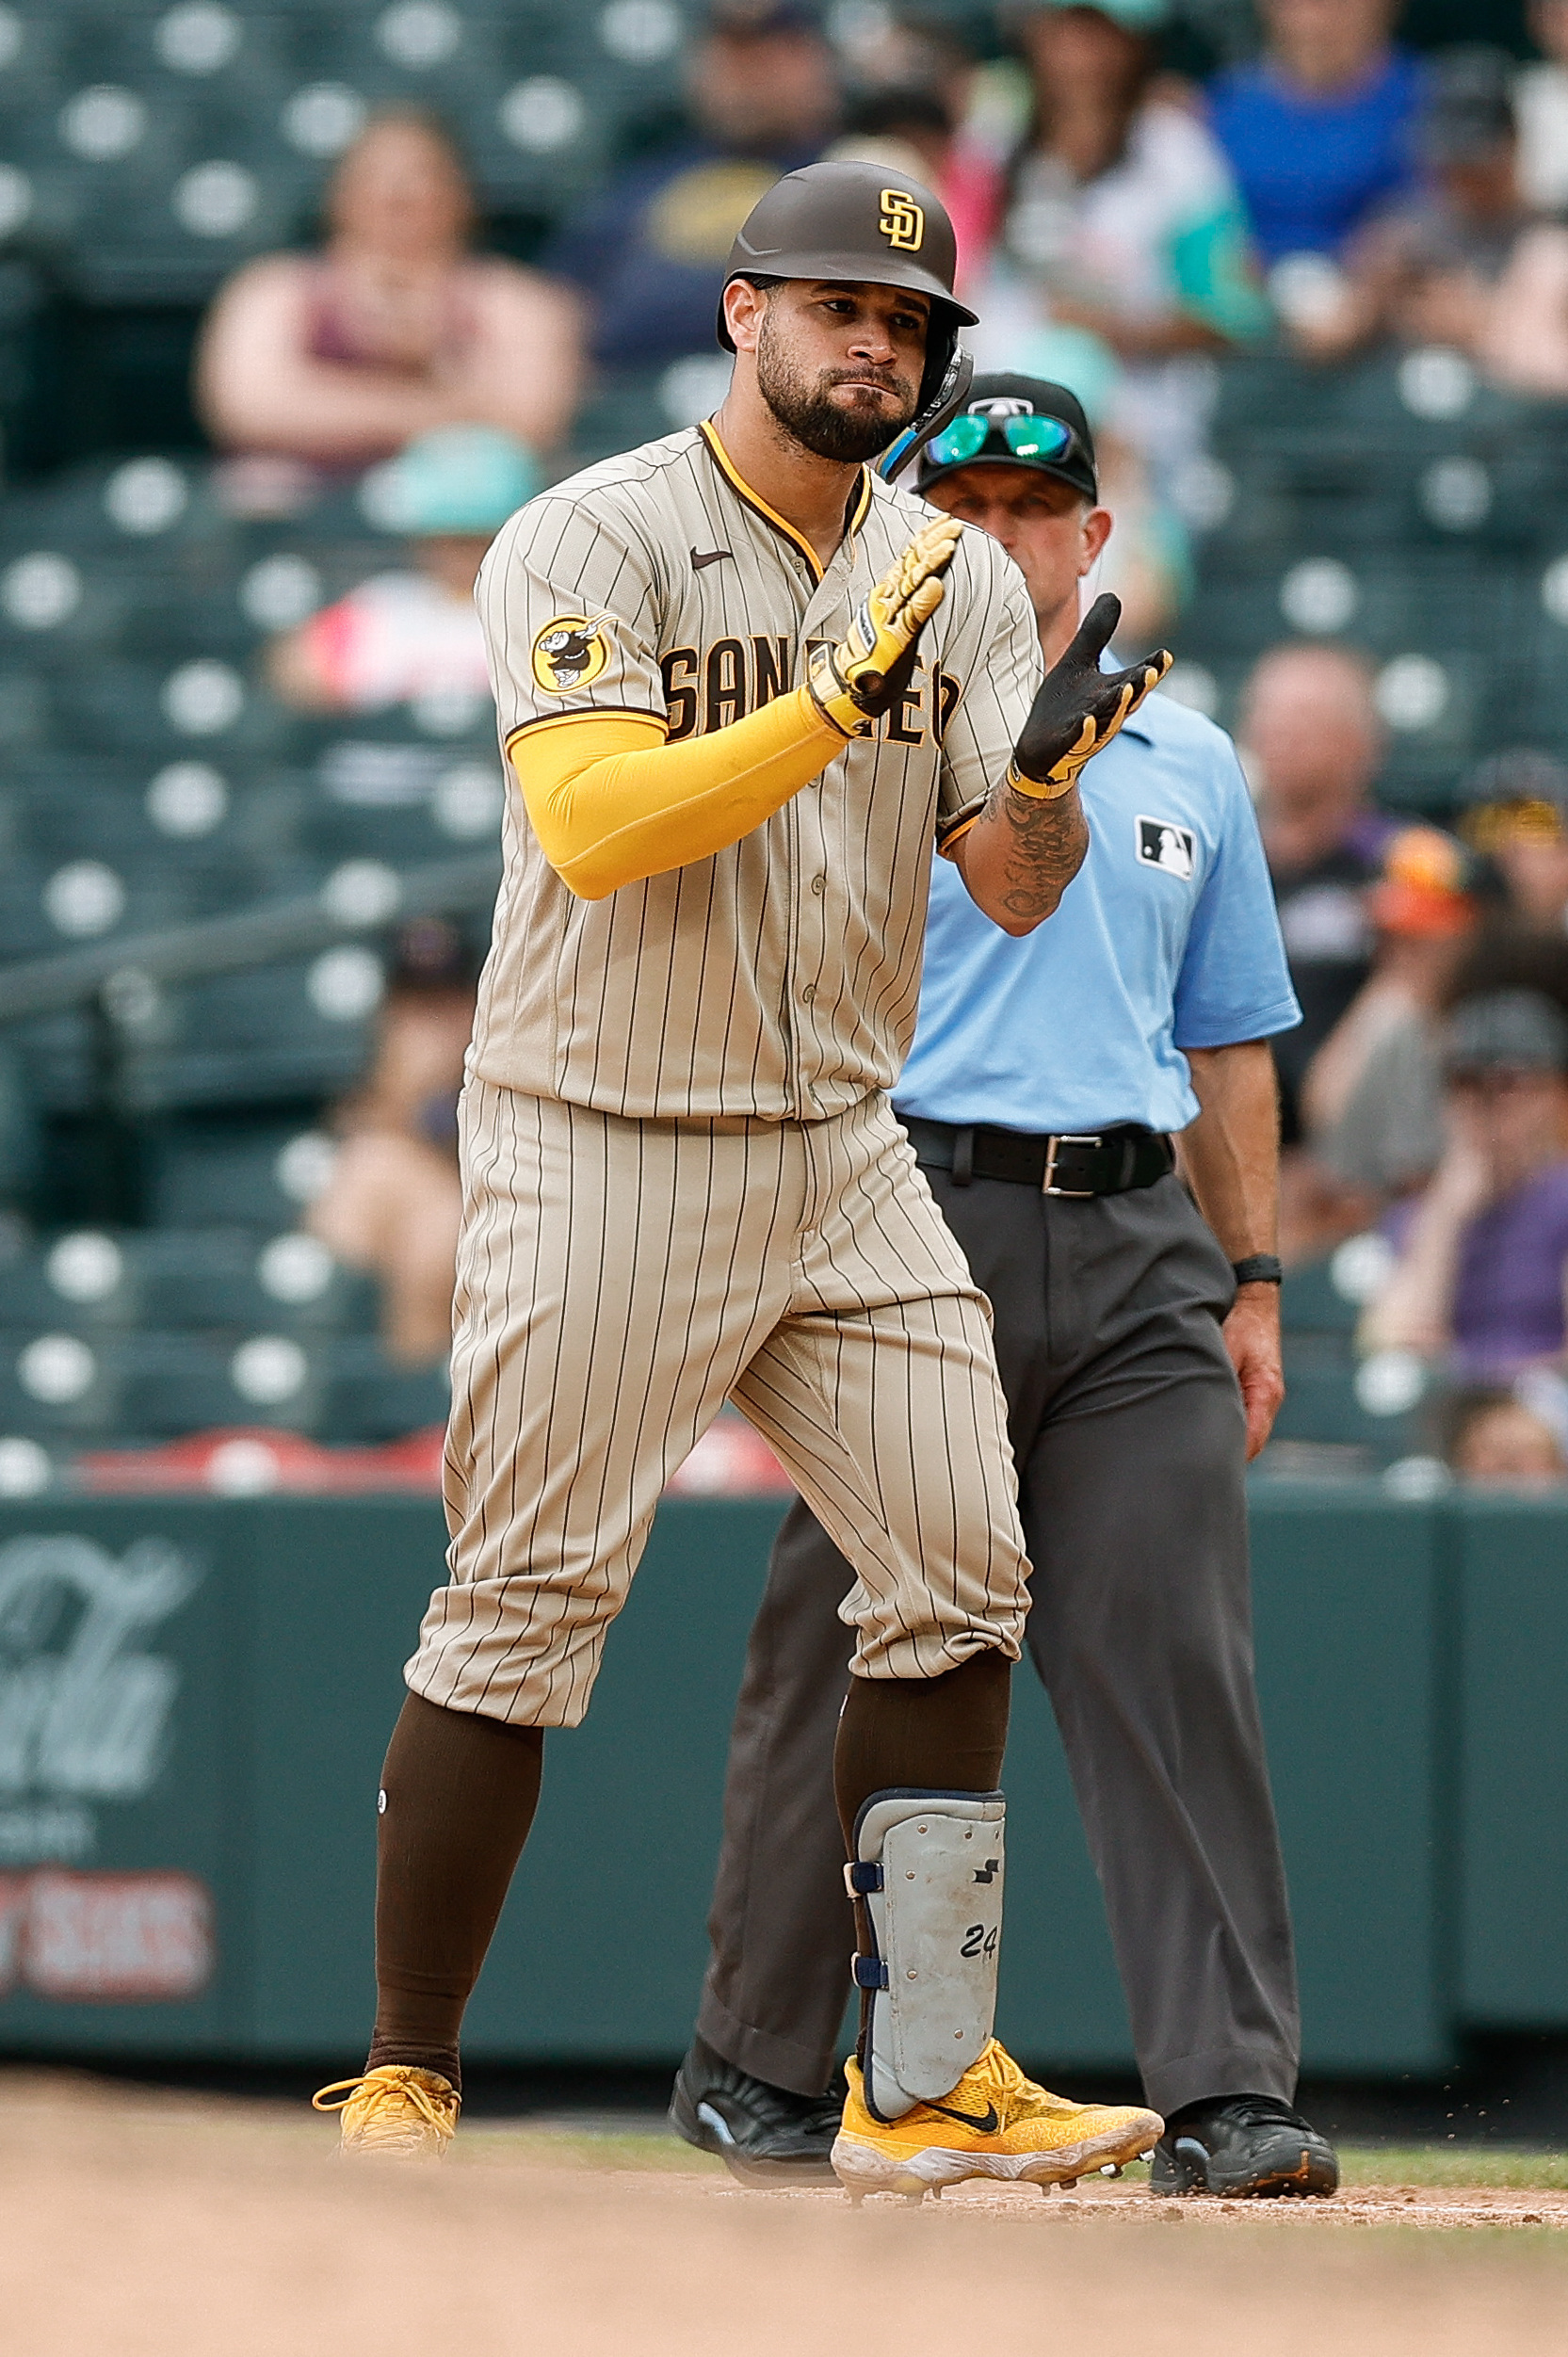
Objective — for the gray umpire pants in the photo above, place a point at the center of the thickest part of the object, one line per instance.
(1127, 1427)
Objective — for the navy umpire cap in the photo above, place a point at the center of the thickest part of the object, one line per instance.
(1003, 405)
(863, 224)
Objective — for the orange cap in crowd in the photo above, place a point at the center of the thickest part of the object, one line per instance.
(1424, 893)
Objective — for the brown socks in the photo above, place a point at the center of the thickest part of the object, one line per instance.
(928, 1734)
(459, 1794)
(921, 1734)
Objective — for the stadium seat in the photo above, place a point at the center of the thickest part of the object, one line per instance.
(1312, 1303)
(71, 1283)
(216, 1280)
(1326, 1402)
(178, 1383)
(240, 1281)
(369, 1398)
(283, 1032)
(159, 147)
(1401, 504)
(253, 1169)
(57, 1386)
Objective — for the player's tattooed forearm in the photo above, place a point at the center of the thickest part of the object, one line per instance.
(1049, 841)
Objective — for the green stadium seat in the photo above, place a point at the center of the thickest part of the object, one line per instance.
(26, 930)
(1321, 1402)
(255, 1168)
(242, 1282)
(58, 1386)
(287, 1031)
(79, 1283)
(179, 1383)
(369, 1398)
(1312, 1303)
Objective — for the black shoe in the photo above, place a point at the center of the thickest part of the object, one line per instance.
(764, 2135)
(1242, 2146)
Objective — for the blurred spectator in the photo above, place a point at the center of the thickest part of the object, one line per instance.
(1482, 1253)
(1524, 343)
(1371, 1099)
(1427, 271)
(1317, 128)
(1504, 955)
(908, 129)
(394, 1201)
(1542, 96)
(649, 253)
(1369, 1102)
(412, 634)
(1502, 1441)
(1518, 819)
(1373, 1094)
(1121, 221)
(1313, 743)
(912, 72)
(396, 328)
(1148, 561)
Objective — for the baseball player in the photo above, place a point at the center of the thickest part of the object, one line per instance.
(1044, 1081)
(744, 686)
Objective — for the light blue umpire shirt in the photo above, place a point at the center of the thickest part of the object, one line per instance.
(1165, 940)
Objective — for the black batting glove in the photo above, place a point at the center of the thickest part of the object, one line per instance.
(1080, 707)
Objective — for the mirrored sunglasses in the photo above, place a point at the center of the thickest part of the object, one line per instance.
(1043, 438)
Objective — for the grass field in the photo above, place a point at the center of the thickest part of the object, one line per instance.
(142, 2224)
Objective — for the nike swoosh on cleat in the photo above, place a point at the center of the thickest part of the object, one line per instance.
(985, 2122)
(708, 557)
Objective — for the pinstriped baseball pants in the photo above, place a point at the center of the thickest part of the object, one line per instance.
(618, 1280)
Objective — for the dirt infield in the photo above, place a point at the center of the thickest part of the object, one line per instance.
(137, 2225)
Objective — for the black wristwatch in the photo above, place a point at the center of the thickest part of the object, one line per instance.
(1257, 1268)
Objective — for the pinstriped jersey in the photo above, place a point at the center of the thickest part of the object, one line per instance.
(778, 978)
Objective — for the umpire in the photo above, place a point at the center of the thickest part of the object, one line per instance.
(1138, 1347)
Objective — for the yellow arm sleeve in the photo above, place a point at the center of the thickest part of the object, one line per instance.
(610, 806)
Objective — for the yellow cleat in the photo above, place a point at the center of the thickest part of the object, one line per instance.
(396, 2112)
(994, 2122)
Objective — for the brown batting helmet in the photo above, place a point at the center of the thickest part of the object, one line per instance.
(861, 224)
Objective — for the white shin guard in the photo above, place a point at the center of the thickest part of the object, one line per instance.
(928, 1868)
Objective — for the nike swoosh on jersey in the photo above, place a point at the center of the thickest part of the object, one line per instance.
(985, 2122)
(708, 557)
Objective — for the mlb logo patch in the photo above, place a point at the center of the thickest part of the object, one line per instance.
(1162, 844)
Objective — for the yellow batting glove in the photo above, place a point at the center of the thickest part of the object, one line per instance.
(849, 683)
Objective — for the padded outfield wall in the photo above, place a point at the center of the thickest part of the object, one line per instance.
(194, 1696)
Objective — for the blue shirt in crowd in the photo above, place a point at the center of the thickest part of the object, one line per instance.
(1165, 940)
(1313, 169)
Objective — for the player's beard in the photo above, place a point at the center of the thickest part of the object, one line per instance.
(826, 428)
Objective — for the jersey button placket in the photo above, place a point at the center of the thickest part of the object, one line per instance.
(773, 551)
(827, 617)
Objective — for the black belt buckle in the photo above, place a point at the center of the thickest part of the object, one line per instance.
(1053, 1146)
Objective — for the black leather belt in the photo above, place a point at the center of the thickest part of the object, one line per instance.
(1109, 1162)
